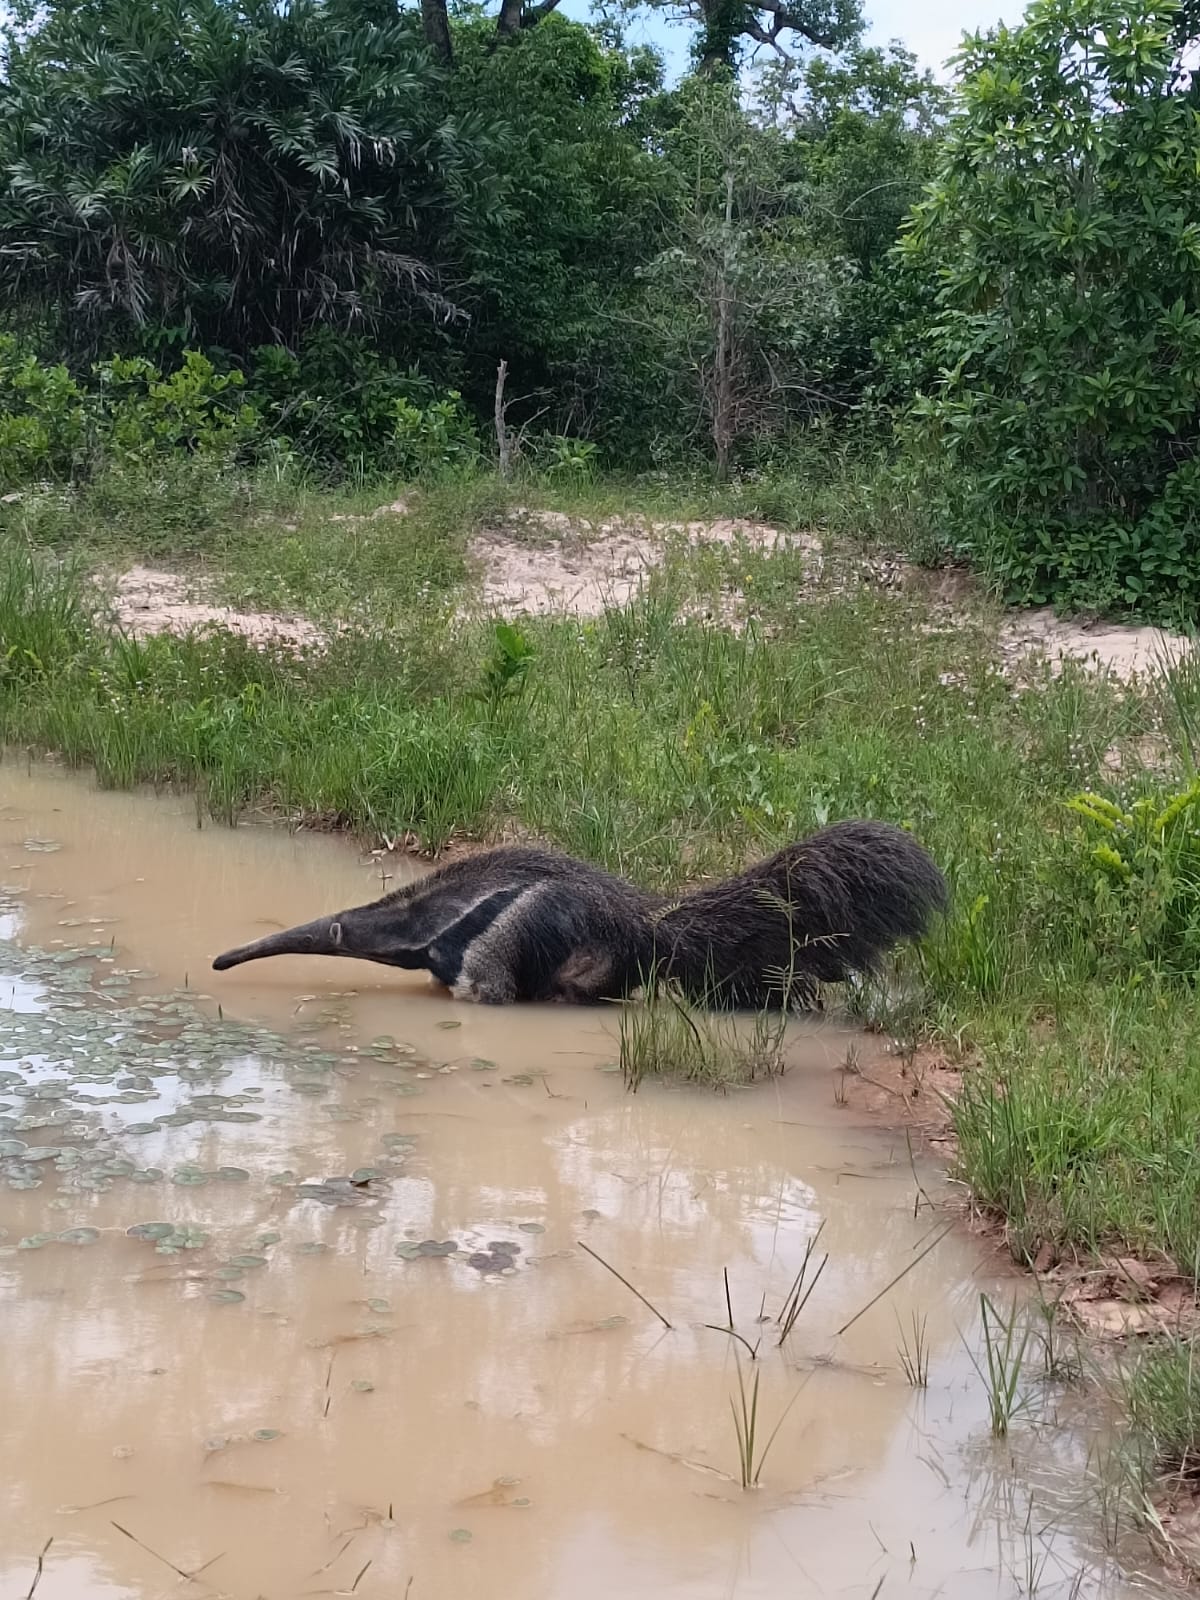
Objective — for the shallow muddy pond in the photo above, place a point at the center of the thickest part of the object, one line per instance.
(296, 1298)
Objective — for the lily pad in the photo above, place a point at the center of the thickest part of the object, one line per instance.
(247, 1261)
(79, 1236)
(151, 1230)
(265, 1435)
(227, 1297)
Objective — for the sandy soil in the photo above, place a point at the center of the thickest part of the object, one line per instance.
(578, 568)
(547, 563)
(1124, 651)
(148, 601)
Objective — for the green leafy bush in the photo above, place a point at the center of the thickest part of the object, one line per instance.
(1144, 866)
(342, 402)
(55, 428)
(1057, 443)
(428, 441)
(138, 411)
(43, 417)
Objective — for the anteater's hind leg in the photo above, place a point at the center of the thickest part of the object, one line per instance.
(586, 976)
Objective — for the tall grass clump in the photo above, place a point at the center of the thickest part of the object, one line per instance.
(752, 1451)
(1078, 1127)
(44, 623)
(1161, 1393)
(914, 1351)
(1005, 1342)
(667, 1036)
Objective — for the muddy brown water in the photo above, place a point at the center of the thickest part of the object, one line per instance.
(294, 1398)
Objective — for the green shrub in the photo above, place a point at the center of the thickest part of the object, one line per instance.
(54, 428)
(43, 417)
(140, 412)
(341, 402)
(1057, 442)
(1144, 865)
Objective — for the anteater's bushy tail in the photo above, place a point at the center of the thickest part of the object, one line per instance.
(817, 912)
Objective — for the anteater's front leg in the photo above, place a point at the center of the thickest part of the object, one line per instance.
(491, 971)
(497, 989)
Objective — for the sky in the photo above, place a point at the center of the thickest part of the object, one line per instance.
(931, 29)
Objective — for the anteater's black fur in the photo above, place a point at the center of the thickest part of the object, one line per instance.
(816, 912)
(528, 924)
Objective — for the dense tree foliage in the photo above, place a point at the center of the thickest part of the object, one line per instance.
(332, 223)
(248, 180)
(1063, 241)
(727, 28)
(229, 170)
(551, 277)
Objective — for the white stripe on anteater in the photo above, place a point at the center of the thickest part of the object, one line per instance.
(488, 966)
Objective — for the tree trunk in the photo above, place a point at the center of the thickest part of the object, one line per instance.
(502, 440)
(508, 23)
(723, 364)
(436, 26)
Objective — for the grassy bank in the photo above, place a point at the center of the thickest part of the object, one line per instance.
(668, 748)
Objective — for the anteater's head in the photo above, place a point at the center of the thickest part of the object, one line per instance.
(385, 931)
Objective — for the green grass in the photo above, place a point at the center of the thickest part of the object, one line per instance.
(665, 1036)
(1080, 1130)
(913, 1351)
(1005, 1343)
(752, 1455)
(1161, 1393)
(671, 750)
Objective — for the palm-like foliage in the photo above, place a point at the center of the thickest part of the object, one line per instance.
(231, 170)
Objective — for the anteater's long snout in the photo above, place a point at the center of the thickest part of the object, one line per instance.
(320, 938)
